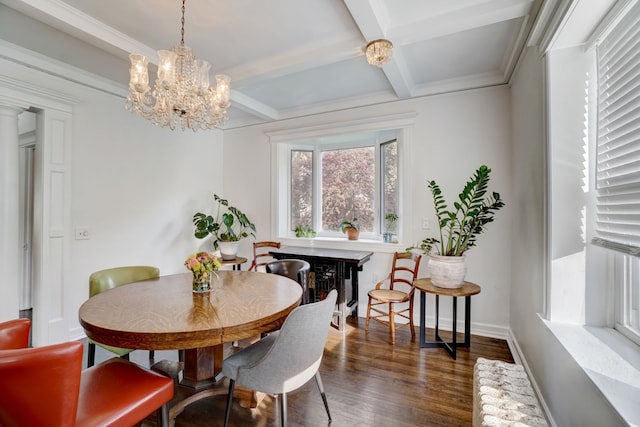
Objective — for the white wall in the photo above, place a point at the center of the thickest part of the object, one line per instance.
(134, 186)
(569, 395)
(452, 136)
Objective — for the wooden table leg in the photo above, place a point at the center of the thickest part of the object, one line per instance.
(201, 365)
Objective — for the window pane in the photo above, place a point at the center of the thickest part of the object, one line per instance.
(389, 153)
(301, 188)
(348, 187)
(632, 296)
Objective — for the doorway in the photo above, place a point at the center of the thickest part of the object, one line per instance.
(27, 148)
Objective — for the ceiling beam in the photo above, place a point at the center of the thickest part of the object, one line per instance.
(295, 61)
(84, 25)
(57, 13)
(251, 106)
(372, 20)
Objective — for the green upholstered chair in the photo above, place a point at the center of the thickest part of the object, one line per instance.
(110, 278)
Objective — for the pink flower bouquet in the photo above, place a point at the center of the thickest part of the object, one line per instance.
(202, 265)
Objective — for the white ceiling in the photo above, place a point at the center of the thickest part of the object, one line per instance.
(290, 58)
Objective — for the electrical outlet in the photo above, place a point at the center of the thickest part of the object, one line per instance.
(82, 233)
(425, 223)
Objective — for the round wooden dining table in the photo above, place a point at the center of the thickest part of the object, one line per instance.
(164, 314)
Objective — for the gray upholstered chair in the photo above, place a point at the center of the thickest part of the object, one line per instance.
(110, 278)
(294, 269)
(287, 359)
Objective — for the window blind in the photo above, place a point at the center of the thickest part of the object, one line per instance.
(618, 143)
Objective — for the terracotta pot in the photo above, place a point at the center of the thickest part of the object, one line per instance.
(447, 271)
(353, 233)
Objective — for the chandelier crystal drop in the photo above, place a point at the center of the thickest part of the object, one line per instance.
(379, 52)
(182, 95)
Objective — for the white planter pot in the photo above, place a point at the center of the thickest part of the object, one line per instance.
(228, 250)
(447, 271)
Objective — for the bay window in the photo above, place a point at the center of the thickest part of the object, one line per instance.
(336, 181)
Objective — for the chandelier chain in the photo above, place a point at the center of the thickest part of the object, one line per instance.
(182, 25)
(182, 95)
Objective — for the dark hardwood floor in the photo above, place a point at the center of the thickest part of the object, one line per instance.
(368, 382)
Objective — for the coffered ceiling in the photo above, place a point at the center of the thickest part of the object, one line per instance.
(290, 58)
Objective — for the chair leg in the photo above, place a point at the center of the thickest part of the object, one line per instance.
(283, 409)
(227, 411)
(152, 355)
(392, 324)
(413, 331)
(91, 355)
(324, 396)
(163, 416)
(366, 325)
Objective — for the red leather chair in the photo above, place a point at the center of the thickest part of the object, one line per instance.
(45, 386)
(14, 334)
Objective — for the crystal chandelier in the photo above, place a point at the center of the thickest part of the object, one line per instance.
(379, 52)
(181, 94)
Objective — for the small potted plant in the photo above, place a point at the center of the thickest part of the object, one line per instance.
(229, 226)
(390, 220)
(304, 231)
(351, 228)
(459, 228)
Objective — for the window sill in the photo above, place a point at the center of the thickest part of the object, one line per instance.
(610, 360)
(343, 243)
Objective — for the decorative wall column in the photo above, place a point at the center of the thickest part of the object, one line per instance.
(9, 212)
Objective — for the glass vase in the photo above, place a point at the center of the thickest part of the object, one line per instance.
(201, 283)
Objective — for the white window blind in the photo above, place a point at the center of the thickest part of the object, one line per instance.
(618, 150)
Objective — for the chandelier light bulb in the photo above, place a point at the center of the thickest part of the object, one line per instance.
(182, 95)
(139, 78)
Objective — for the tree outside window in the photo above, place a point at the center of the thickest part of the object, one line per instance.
(348, 187)
(301, 188)
(358, 181)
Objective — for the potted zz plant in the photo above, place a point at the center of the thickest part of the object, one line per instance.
(229, 226)
(351, 228)
(459, 228)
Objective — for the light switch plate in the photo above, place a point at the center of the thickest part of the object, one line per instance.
(82, 233)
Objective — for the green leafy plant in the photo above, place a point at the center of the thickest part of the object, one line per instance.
(229, 225)
(460, 226)
(346, 224)
(390, 220)
(304, 231)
